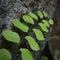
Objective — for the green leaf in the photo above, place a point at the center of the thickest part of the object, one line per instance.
(34, 16)
(26, 54)
(45, 14)
(20, 25)
(46, 23)
(44, 58)
(32, 43)
(5, 54)
(39, 34)
(40, 14)
(43, 27)
(51, 21)
(11, 36)
(28, 19)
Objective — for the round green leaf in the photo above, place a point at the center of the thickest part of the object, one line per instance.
(11, 36)
(46, 23)
(40, 14)
(20, 25)
(43, 27)
(28, 19)
(39, 34)
(45, 14)
(51, 21)
(34, 16)
(26, 54)
(5, 54)
(32, 43)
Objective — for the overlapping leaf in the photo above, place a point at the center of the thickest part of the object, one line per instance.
(46, 23)
(28, 19)
(43, 27)
(34, 16)
(33, 44)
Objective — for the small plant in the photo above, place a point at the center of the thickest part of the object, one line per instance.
(14, 37)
